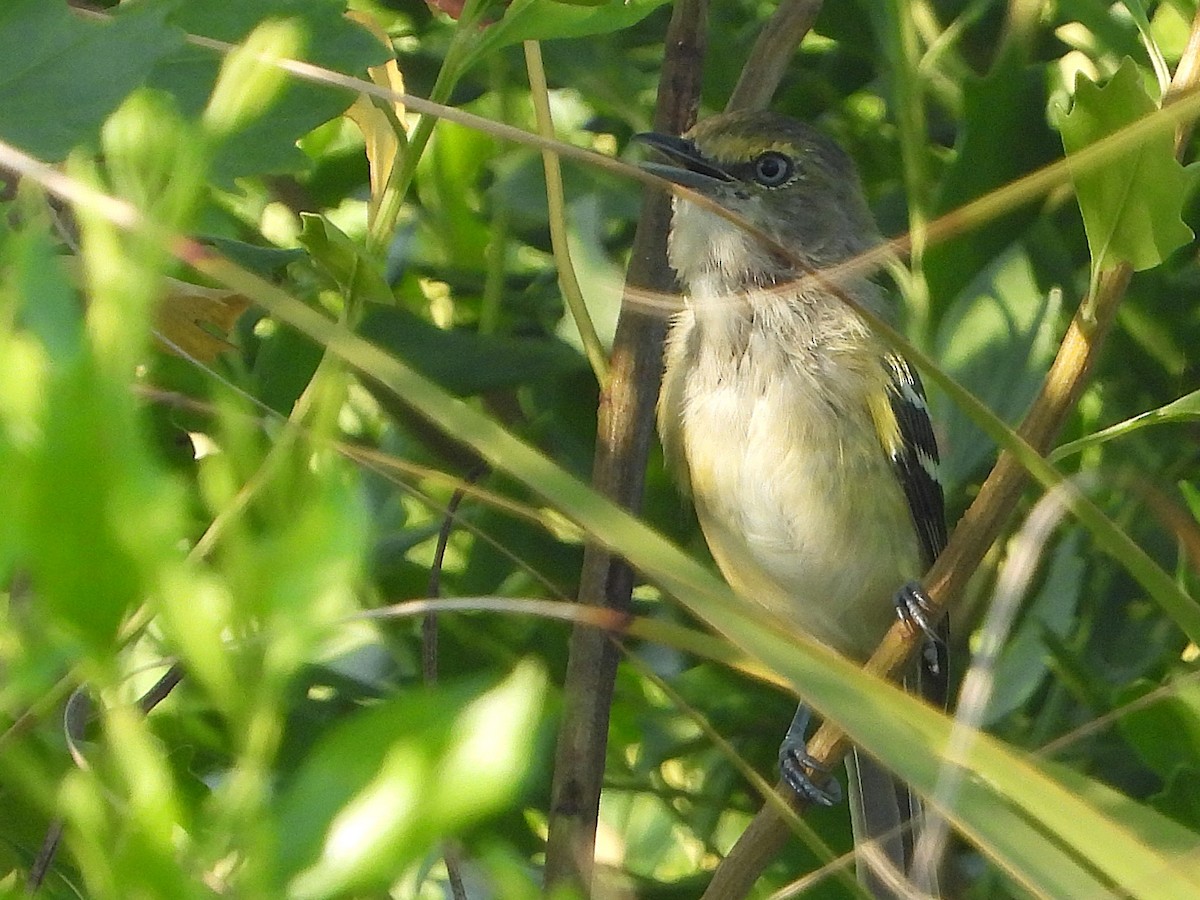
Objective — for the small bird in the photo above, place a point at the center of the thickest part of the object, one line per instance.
(803, 439)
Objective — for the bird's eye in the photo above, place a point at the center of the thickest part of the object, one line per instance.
(771, 169)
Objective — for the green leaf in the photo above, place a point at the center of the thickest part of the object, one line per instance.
(1132, 205)
(995, 108)
(1185, 409)
(251, 79)
(544, 20)
(451, 171)
(1024, 662)
(466, 362)
(63, 74)
(1165, 733)
(385, 785)
(267, 261)
(283, 367)
(267, 144)
(1001, 322)
(97, 516)
(1180, 798)
(1164, 834)
(343, 261)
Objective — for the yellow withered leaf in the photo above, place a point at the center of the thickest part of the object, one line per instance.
(194, 321)
(382, 129)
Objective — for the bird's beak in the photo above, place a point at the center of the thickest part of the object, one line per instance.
(690, 168)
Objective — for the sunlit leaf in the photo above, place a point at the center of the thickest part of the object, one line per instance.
(538, 20)
(377, 792)
(197, 320)
(381, 123)
(267, 144)
(1002, 321)
(1132, 206)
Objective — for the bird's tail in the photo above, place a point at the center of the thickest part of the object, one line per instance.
(885, 817)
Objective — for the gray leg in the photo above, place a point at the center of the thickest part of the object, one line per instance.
(794, 763)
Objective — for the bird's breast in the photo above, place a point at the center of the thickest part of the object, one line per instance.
(796, 497)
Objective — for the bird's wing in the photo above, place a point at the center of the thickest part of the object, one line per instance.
(915, 457)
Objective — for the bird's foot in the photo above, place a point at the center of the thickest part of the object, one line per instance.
(801, 773)
(914, 608)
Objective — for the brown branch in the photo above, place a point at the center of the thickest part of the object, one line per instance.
(625, 430)
(776, 44)
(972, 537)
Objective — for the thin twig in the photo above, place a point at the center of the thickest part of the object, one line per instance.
(556, 206)
(451, 852)
(429, 625)
(76, 716)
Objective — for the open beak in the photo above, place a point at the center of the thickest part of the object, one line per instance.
(689, 167)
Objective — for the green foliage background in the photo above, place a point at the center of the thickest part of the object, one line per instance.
(241, 511)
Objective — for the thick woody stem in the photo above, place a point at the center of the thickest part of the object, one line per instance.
(625, 430)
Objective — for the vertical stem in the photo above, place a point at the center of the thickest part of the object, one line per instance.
(625, 428)
(400, 178)
(496, 254)
(556, 201)
(902, 47)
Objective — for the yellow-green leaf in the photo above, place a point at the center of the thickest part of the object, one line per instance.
(1131, 204)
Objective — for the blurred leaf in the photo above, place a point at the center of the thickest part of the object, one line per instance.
(386, 784)
(344, 262)
(451, 172)
(1156, 336)
(1180, 797)
(250, 80)
(196, 320)
(543, 20)
(995, 108)
(466, 362)
(1166, 732)
(283, 367)
(309, 565)
(1175, 844)
(1137, 10)
(63, 74)
(1023, 663)
(1001, 322)
(98, 516)
(1104, 25)
(267, 144)
(1132, 206)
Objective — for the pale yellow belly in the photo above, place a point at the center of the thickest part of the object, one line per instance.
(801, 510)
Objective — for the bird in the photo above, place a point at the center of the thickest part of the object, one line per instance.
(802, 438)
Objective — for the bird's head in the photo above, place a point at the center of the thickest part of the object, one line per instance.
(782, 176)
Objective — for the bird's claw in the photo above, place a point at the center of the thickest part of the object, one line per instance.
(914, 608)
(795, 765)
